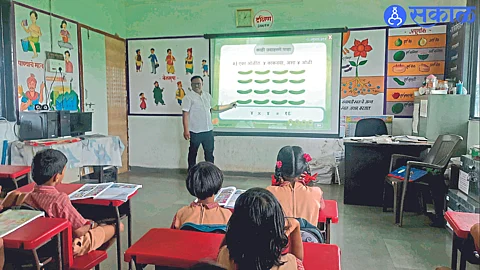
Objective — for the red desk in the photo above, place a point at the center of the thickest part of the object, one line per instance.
(114, 204)
(176, 248)
(461, 224)
(328, 215)
(14, 173)
(40, 231)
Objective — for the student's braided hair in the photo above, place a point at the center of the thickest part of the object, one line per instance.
(291, 163)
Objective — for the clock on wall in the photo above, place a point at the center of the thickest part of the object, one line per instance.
(244, 17)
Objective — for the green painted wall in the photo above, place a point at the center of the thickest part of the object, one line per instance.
(106, 15)
(146, 18)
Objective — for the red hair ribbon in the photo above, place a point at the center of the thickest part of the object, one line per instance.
(307, 157)
(279, 164)
(306, 179)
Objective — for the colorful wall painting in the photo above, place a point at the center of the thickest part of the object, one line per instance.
(363, 72)
(36, 85)
(413, 54)
(160, 70)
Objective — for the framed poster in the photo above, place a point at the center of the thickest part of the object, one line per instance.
(38, 84)
(363, 72)
(159, 73)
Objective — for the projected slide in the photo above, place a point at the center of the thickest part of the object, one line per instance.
(278, 83)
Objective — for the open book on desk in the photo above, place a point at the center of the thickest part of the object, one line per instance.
(12, 220)
(227, 196)
(105, 191)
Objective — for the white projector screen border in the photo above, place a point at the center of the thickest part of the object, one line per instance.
(335, 85)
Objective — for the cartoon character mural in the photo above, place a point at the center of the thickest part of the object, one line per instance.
(158, 94)
(68, 63)
(65, 35)
(153, 61)
(189, 62)
(205, 68)
(143, 104)
(170, 59)
(180, 93)
(32, 43)
(31, 97)
(138, 61)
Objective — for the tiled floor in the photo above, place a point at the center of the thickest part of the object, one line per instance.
(367, 236)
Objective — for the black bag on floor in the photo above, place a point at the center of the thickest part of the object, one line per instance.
(310, 233)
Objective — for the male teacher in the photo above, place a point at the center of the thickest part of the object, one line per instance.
(197, 120)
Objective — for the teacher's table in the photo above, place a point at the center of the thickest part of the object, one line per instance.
(461, 224)
(367, 164)
(84, 207)
(183, 249)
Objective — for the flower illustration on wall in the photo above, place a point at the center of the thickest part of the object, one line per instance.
(360, 49)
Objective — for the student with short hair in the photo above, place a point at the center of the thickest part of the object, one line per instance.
(290, 185)
(204, 180)
(48, 170)
(258, 233)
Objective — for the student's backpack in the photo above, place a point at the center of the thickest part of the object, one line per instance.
(210, 228)
(310, 233)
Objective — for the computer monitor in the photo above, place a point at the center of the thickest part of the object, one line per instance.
(80, 122)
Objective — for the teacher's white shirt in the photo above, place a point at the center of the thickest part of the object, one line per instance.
(198, 106)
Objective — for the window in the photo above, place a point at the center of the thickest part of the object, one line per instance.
(476, 95)
(472, 60)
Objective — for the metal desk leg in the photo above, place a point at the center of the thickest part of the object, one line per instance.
(327, 230)
(454, 252)
(119, 244)
(129, 233)
(59, 251)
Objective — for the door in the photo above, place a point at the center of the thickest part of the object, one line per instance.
(95, 79)
(117, 93)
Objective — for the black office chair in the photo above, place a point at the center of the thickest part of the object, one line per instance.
(437, 160)
(370, 127)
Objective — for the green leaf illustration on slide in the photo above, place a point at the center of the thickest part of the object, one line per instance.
(243, 92)
(279, 102)
(300, 102)
(262, 72)
(261, 92)
(245, 72)
(297, 81)
(399, 56)
(362, 62)
(280, 92)
(244, 102)
(245, 81)
(280, 81)
(261, 102)
(262, 81)
(297, 92)
(296, 72)
(397, 108)
(280, 72)
(423, 56)
(353, 63)
(399, 82)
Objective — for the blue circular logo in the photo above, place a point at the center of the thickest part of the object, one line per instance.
(395, 16)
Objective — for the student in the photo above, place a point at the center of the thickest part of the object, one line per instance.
(204, 180)
(48, 169)
(289, 185)
(257, 235)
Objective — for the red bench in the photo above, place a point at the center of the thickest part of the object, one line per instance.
(461, 224)
(327, 216)
(13, 175)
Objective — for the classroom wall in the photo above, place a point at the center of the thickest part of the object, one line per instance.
(158, 142)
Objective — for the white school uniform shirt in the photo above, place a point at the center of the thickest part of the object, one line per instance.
(198, 106)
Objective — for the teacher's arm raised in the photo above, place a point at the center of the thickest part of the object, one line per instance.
(186, 105)
(223, 108)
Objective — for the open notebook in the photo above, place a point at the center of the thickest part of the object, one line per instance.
(11, 220)
(105, 191)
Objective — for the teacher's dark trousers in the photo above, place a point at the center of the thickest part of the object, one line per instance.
(207, 141)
